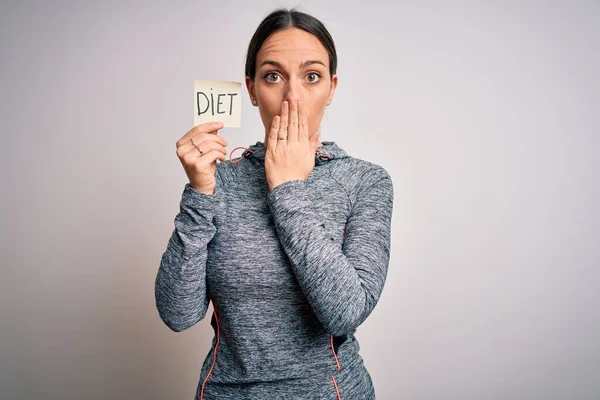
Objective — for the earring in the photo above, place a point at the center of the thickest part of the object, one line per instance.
(254, 101)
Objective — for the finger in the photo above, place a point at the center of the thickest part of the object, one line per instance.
(200, 128)
(293, 124)
(303, 134)
(207, 159)
(211, 157)
(208, 136)
(200, 149)
(193, 157)
(283, 125)
(273, 133)
(203, 141)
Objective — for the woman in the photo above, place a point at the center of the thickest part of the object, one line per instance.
(290, 242)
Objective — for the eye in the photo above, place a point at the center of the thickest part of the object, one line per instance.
(313, 77)
(272, 77)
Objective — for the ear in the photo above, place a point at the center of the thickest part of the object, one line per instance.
(334, 82)
(251, 93)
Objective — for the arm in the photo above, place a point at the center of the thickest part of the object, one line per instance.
(180, 287)
(343, 284)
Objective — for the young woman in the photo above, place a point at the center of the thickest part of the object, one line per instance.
(290, 241)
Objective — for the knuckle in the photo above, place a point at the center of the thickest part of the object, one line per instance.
(186, 160)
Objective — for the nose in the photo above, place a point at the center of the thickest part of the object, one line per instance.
(293, 90)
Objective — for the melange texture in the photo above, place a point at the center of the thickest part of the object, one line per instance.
(291, 272)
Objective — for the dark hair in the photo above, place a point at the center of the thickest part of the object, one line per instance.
(281, 19)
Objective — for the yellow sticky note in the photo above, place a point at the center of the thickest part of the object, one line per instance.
(218, 101)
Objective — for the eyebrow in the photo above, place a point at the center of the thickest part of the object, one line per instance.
(303, 65)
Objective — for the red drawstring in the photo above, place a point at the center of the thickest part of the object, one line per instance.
(214, 351)
(321, 156)
(241, 158)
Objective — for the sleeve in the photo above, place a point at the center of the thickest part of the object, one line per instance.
(180, 287)
(343, 284)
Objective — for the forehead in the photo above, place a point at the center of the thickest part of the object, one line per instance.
(291, 47)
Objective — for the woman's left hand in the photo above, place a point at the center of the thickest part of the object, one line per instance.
(290, 151)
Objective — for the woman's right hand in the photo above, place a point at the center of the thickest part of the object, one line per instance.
(198, 150)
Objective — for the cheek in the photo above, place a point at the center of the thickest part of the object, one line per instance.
(317, 105)
(315, 115)
(266, 115)
(270, 104)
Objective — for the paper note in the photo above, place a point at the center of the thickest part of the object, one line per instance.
(218, 101)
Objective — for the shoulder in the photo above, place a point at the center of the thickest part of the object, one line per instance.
(356, 175)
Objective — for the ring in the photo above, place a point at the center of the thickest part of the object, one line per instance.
(196, 146)
(281, 138)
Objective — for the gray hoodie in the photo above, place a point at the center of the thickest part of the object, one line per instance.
(291, 272)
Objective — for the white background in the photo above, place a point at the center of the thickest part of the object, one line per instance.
(484, 113)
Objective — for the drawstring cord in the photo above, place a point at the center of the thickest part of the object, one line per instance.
(249, 153)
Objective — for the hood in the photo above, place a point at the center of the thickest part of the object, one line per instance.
(327, 152)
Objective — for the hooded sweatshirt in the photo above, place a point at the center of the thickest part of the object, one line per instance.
(291, 272)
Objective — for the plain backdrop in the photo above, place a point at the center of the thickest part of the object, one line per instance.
(486, 114)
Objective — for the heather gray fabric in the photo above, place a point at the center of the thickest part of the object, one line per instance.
(291, 273)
